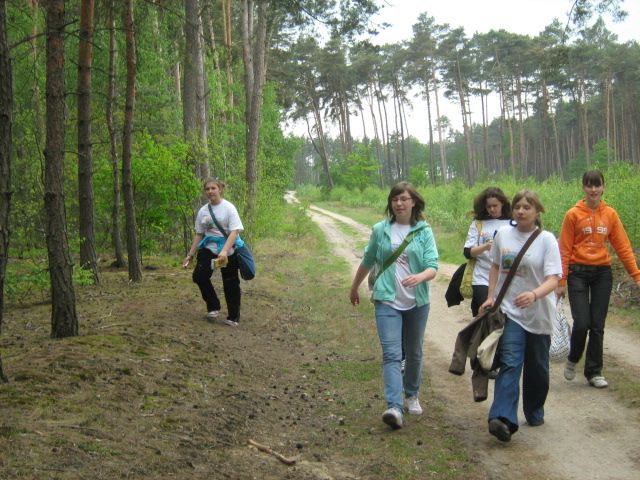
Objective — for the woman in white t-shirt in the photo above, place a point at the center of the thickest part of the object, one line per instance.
(524, 345)
(218, 226)
(491, 212)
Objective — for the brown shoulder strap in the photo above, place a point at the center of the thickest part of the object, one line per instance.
(514, 267)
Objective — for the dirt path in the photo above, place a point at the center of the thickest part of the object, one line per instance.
(588, 434)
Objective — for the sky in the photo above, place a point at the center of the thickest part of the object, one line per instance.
(528, 17)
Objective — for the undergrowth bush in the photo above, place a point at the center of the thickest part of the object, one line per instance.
(450, 206)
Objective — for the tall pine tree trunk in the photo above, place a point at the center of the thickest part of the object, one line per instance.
(254, 48)
(6, 112)
(194, 97)
(443, 148)
(135, 270)
(116, 229)
(88, 257)
(64, 320)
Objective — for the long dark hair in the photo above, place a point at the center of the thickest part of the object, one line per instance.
(480, 204)
(418, 208)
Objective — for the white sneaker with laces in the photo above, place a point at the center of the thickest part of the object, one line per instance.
(413, 405)
(231, 323)
(213, 314)
(598, 382)
(392, 417)
(570, 370)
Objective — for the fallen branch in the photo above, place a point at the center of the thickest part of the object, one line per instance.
(111, 325)
(264, 448)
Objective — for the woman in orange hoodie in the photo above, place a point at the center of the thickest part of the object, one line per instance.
(586, 268)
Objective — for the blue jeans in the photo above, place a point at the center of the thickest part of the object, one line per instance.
(589, 289)
(395, 328)
(521, 352)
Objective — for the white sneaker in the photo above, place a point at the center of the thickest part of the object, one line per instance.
(392, 417)
(231, 323)
(598, 382)
(570, 370)
(413, 405)
(213, 314)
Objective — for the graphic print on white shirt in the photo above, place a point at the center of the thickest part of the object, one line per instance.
(542, 259)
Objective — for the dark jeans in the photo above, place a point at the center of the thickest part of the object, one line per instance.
(589, 288)
(480, 293)
(230, 283)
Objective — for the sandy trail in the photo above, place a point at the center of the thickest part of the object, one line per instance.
(587, 434)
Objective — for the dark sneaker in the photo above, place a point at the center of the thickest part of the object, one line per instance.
(499, 429)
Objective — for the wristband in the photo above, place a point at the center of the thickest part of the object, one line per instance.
(535, 297)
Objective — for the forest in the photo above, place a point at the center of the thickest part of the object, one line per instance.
(112, 112)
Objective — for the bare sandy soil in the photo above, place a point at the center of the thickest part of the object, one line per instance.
(588, 433)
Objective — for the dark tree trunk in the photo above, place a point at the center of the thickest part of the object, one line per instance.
(194, 97)
(6, 107)
(116, 229)
(88, 257)
(255, 66)
(64, 320)
(135, 270)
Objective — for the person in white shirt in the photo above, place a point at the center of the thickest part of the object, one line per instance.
(216, 247)
(529, 310)
(491, 212)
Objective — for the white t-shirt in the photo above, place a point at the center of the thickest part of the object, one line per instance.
(541, 259)
(488, 229)
(227, 216)
(405, 296)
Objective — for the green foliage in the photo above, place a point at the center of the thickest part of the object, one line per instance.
(358, 170)
(449, 207)
(164, 190)
(27, 281)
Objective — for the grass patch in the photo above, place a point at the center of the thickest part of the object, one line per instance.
(449, 243)
(352, 368)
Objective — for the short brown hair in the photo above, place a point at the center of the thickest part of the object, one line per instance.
(532, 199)
(215, 180)
(593, 178)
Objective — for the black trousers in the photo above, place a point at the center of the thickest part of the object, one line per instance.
(480, 293)
(589, 288)
(230, 283)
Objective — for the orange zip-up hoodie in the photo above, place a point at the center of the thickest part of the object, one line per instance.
(584, 235)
